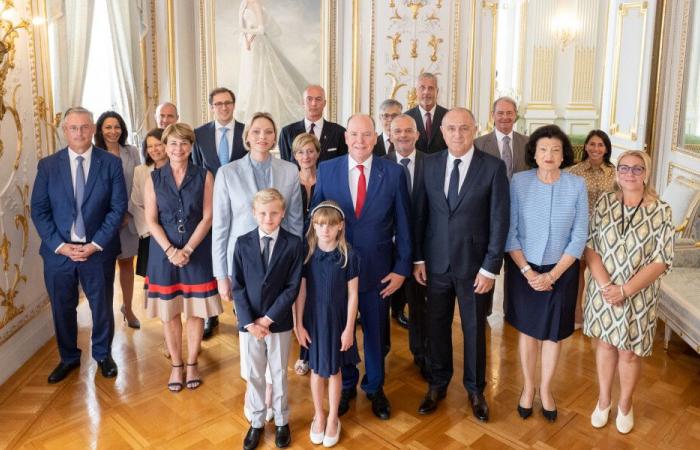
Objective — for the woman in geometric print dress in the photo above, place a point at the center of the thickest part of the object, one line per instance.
(629, 248)
(179, 276)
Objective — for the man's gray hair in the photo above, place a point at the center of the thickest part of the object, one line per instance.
(471, 114)
(429, 76)
(406, 116)
(177, 114)
(504, 99)
(78, 110)
(389, 103)
(347, 124)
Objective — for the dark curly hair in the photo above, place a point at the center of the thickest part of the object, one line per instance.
(99, 137)
(154, 133)
(606, 141)
(552, 132)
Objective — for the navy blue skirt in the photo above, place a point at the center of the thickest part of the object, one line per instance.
(549, 315)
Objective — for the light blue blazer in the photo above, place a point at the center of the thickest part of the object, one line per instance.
(234, 188)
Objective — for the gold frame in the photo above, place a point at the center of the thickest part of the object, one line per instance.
(622, 10)
(172, 80)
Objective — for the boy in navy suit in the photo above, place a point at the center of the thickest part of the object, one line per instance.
(267, 263)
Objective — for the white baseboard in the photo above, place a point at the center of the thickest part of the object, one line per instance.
(24, 343)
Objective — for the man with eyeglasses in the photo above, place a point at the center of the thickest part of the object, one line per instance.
(330, 135)
(78, 204)
(388, 110)
(218, 143)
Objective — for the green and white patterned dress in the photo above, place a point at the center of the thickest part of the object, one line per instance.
(649, 239)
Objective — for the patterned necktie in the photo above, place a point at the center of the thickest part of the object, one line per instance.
(223, 146)
(405, 162)
(266, 251)
(453, 189)
(428, 126)
(361, 191)
(507, 156)
(311, 128)
(79, 194)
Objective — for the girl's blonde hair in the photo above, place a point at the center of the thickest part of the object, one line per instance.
(650, 194)
(327, 212)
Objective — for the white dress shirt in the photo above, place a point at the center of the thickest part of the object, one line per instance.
(463, 168)
(273, 235)
(411, 164)
(499, 141)
(387, 142)
(229, 135)
(354, 176)
(432, 114)
(318, 127)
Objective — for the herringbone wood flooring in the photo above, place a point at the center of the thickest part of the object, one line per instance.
(136, 411)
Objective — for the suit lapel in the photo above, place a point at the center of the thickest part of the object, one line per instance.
(472, 174)
(66, 177)
(417, 170)
(376, 177)
(437, 120)
(277, 251)
(247, 174)
(95, 168)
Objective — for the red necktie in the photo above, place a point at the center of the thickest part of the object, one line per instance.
(428, 126)
(361, 191)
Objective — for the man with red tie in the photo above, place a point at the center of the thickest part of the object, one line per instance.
(428, 115)
(373, 193)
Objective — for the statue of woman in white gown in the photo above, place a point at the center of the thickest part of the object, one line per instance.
(267, 81)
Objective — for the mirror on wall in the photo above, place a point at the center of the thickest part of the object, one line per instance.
(689, 123)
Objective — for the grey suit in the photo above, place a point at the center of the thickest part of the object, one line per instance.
(487, 143)
(234, 188)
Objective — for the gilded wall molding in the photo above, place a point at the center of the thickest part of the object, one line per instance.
(172, 80)
(694, 174)
(622, 11)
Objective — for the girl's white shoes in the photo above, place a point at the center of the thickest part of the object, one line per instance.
(624, 423)
(316, 438)
(330, 441)
(599, 418)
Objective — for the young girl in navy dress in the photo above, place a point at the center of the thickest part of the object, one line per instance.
(328, 304)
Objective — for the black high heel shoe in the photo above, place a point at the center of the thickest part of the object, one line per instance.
(135, 324)
(524, 412)
(550, 415)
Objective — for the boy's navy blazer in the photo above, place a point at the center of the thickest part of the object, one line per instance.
(257, 293)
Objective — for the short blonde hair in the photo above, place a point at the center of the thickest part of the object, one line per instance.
(303, 140)
(253, 118)
(650, 193)
(178, 130)
(269, 195)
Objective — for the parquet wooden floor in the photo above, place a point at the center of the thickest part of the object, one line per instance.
(136, 411)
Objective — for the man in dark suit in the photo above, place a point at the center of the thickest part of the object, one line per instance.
(504, 142)
(404, 134)
(220, 141)
(373, 194)
(329, 134)
(78, 204)
(428, 114)
(389, 109)
(461, 227)
(217, 143)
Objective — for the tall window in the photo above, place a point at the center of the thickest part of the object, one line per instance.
(99, 94)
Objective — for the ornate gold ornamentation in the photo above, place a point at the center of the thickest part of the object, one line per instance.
(432, 17)
(22, 220)
(412, 98)
(5, 252)
(8, 298)
(415, 8)
(392, 4)
(414, 48)
(396, 15)
(395, 41)
(395, 84)
(434, 42)
(438, 4)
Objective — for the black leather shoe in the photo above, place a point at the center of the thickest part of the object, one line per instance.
(61, 371)
(522, 411)
(431, 400)
(108, 367)
(549, 415)
(380, 405)
(209, 325)
(282, 436)
(345, 396)
(479, 406)
(252, 438)
(402, 320)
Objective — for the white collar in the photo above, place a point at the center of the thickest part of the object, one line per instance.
(318, 123)
(432, 111)
(273, 235)
(500, 136)
(466, 158)
(228, 126)
(86, 154)
(352, 163)
(411, 156)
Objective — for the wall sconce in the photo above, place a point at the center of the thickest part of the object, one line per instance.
(564, 29)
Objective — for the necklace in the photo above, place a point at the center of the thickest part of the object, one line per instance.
(622, 208)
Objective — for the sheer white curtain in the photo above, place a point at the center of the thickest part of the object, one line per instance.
(69, 27)
(127, 25)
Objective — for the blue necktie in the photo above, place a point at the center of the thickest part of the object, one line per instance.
(223, 147)
(79, 194)
(453, 189)
(405, 162)
(266, 252)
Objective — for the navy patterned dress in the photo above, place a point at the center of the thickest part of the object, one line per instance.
(326, 309)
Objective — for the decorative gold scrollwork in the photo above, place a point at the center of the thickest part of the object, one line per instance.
(396, 15)
(434, 42)
(415, 7)
(438, 4)
(414, 48)
(22, 220)
(432, 17)
(8, 298)
(412, 98)
(5, 252)
(395, 41)
(395, 84)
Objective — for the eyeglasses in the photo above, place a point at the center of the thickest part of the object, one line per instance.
(222, 104)
(77, 129)
(636, 170)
